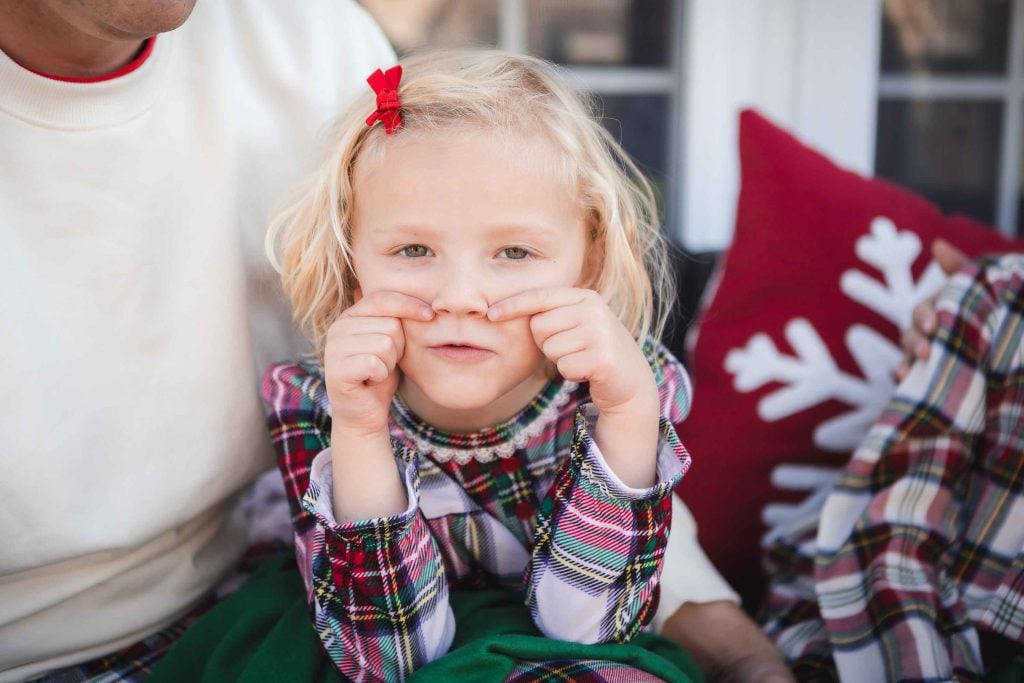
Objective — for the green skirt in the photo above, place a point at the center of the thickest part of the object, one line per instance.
(264, 633)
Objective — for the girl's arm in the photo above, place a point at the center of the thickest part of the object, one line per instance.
(595, 566)
(376, 587)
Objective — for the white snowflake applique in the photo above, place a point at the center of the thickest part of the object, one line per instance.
(811, 376)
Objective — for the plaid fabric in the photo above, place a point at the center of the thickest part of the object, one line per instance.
(578, 671)
(590, 549)
(919, 557)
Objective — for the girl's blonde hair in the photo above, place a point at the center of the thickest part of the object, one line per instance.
(309, 239)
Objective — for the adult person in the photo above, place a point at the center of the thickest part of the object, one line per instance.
(919, 556)
(138, 164)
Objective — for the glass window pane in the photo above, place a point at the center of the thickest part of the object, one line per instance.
(436, 23)
(945, 36)
(640, 124)
(947, 151)
(601, 32)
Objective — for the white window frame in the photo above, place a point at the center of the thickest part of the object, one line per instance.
(665, 80)
(1006, 88)
(813, 67)
(809, 65)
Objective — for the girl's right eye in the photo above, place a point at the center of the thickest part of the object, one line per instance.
(414, 251)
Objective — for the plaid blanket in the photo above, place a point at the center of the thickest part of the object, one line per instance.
(917, 570)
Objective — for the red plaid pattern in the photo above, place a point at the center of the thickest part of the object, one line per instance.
(918, 563)
(551, 520)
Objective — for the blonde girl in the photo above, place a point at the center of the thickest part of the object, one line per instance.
(481, 273)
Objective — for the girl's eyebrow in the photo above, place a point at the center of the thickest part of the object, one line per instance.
(535, 230)
(532, 229)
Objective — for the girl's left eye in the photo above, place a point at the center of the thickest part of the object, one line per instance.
(414, 251)
(515, 253)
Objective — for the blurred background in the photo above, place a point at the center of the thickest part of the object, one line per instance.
(927, 93)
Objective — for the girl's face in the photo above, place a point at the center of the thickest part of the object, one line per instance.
(463, 219)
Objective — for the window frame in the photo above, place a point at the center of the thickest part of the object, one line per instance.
(1007, 89)
(513, 27)
(768, 54)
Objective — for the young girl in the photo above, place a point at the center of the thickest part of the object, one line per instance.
(474, 265)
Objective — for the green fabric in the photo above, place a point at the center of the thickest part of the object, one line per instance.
(494, 633)
(263, 633)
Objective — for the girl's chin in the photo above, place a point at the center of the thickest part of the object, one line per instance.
(462, 408)
(464, 404)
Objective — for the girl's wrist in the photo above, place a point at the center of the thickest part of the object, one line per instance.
(629, 444)
(367, 484)
(638, 407)
(359, 439)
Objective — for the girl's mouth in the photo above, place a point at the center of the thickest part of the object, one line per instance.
(461, 352)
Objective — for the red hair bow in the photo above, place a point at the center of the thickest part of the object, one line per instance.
(385, 84)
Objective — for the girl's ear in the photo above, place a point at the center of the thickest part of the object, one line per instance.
(357, 294)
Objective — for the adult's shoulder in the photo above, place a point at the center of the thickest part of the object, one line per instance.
(327, 45)
(329, 28)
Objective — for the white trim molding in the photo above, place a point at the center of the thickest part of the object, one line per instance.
(810, 65)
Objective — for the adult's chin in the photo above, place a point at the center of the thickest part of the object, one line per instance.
(129, 19)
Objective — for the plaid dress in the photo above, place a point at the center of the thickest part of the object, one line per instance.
(551, 520)
(917, 571)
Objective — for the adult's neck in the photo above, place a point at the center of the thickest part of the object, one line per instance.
(40, 39)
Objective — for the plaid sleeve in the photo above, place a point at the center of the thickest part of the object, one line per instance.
(921, 542)
(376, 588)
(596, 562)
(675, 391)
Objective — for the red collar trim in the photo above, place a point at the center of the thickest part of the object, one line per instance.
(144, 52)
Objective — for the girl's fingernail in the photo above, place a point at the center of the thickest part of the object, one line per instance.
(929, 323)
(492, 312)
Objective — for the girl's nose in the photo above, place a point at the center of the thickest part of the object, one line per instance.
(461, 292)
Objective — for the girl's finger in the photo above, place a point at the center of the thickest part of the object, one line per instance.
(360, 368)
(377, 372)
(564, 343)
(391, 305)
(576, 367)
(543, 325)
(344, 329)
(383, 346)
(534, 301)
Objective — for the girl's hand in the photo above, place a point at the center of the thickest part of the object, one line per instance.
(577, 331)
(362, 351)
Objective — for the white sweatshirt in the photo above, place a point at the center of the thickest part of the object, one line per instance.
(137, 307)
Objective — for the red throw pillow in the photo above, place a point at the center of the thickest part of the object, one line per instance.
(798, 340)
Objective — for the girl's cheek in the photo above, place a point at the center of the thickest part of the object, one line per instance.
(538, 276)
(426, 283)
(387, 279)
